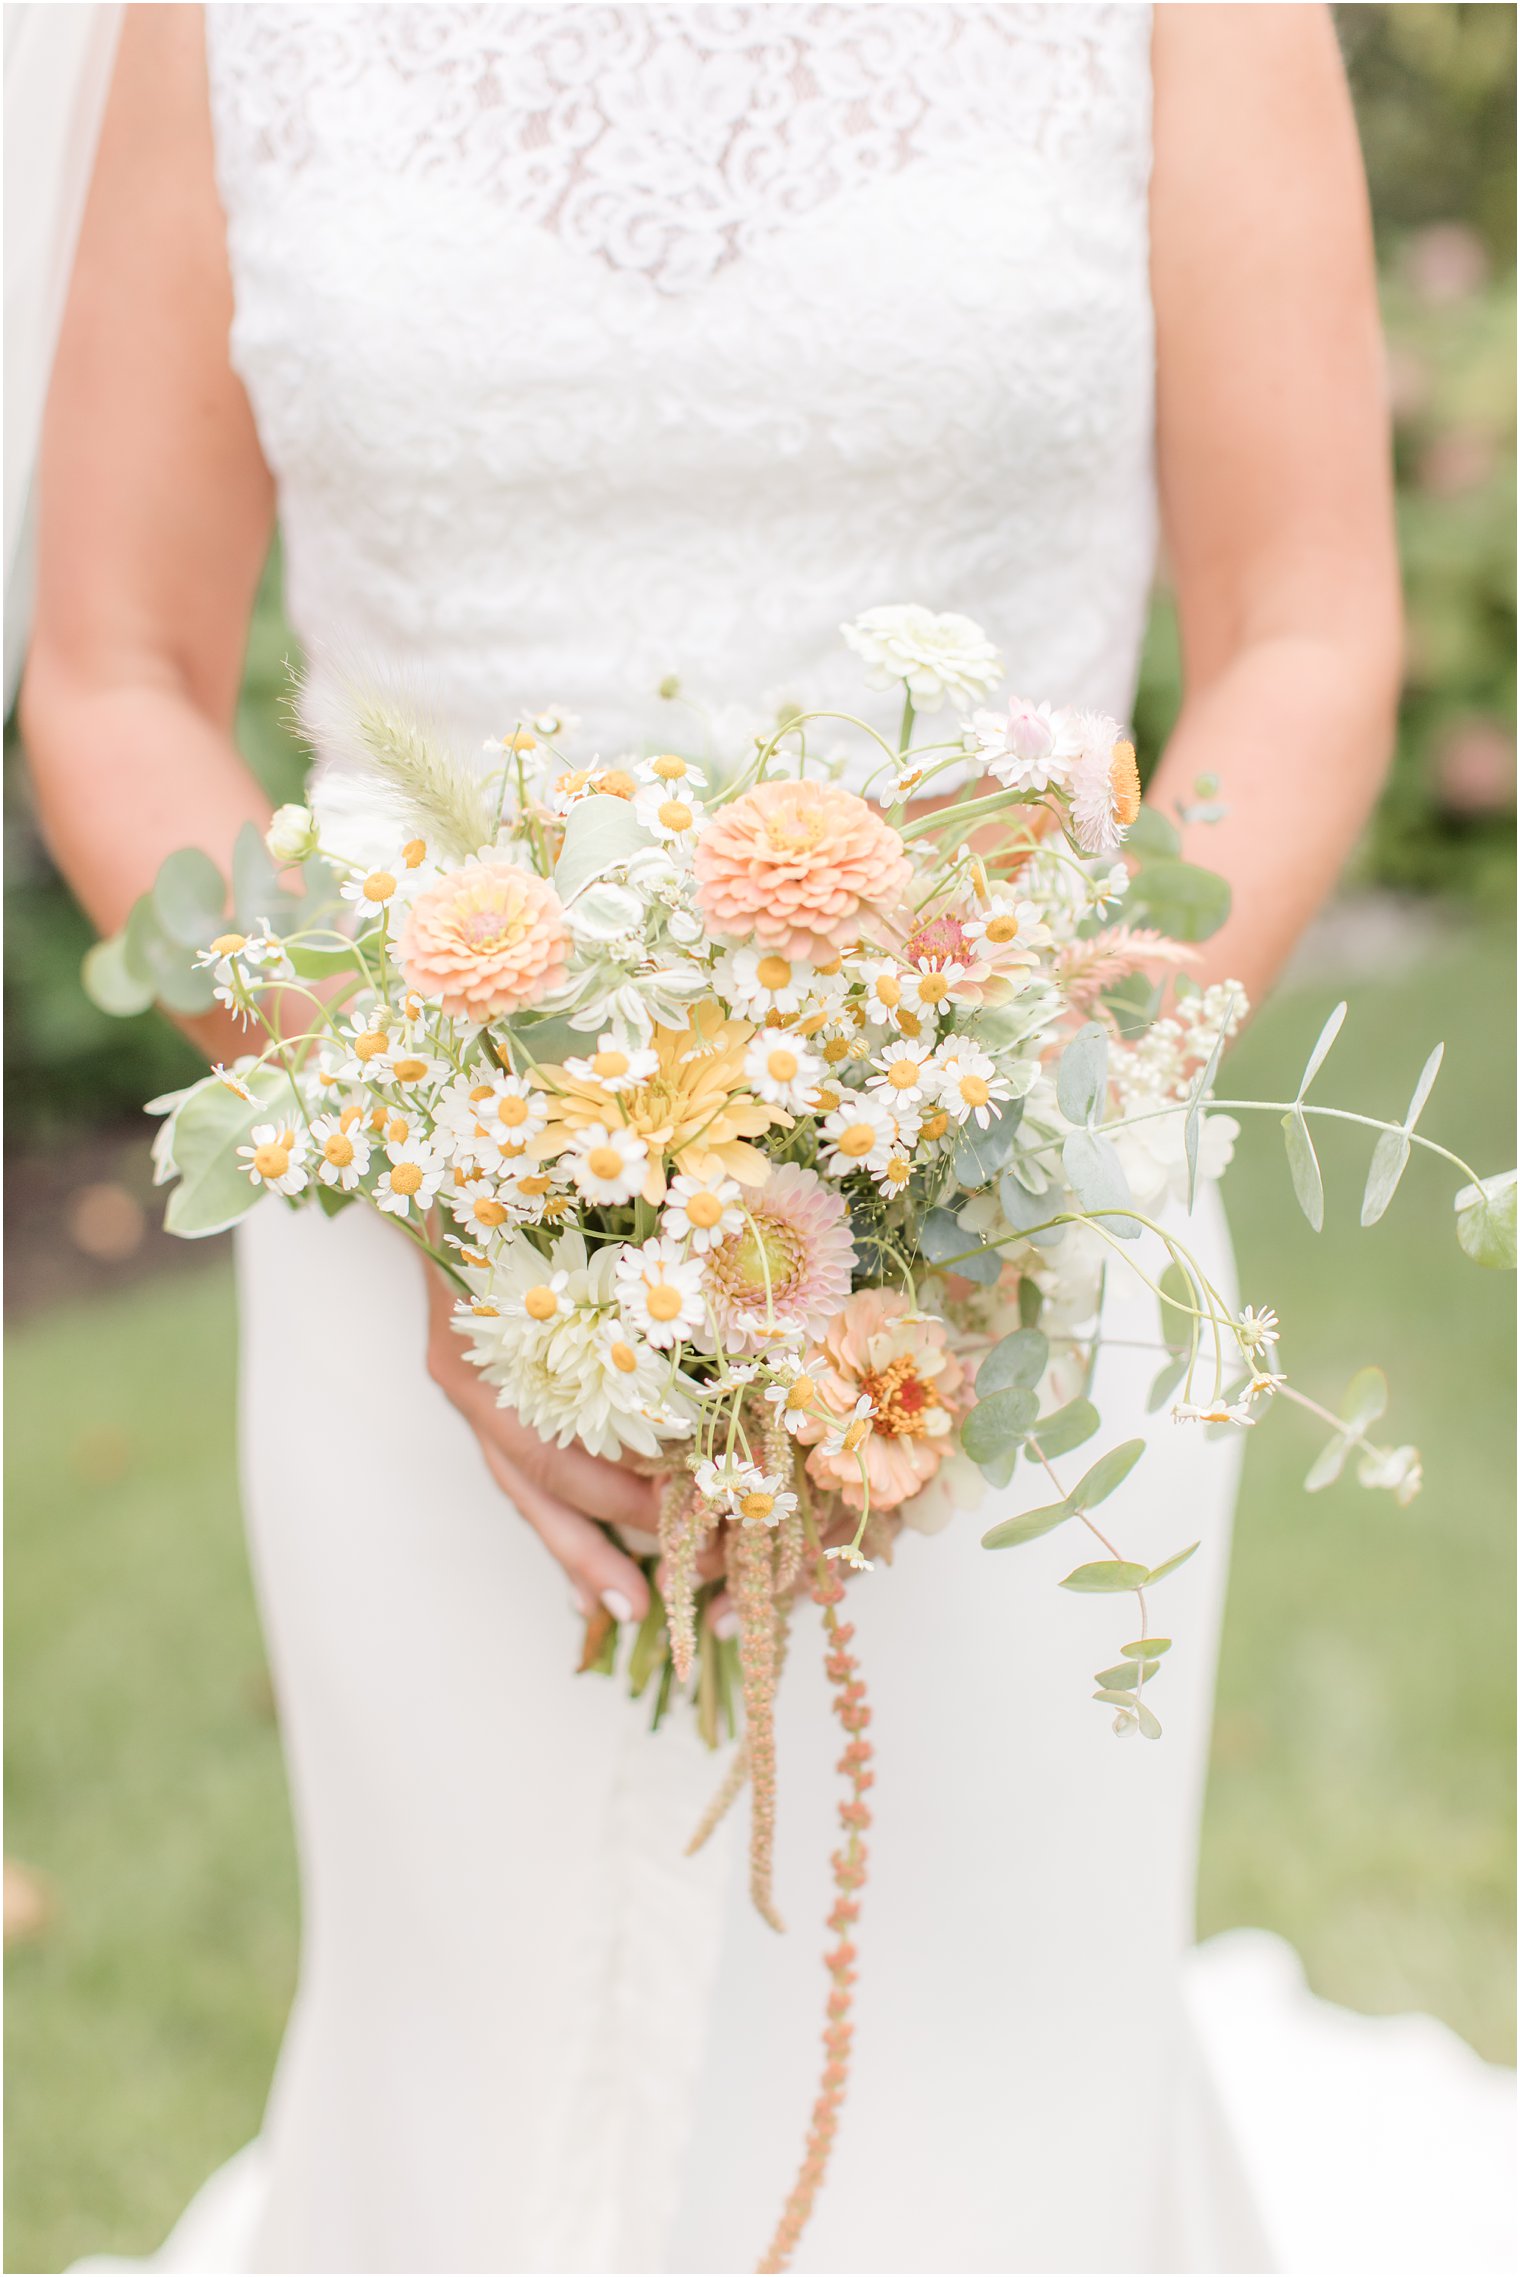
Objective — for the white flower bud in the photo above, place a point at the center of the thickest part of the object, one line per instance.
(292, 835)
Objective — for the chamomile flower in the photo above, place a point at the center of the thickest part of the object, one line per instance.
(1258, 1329)
(849, 1433)
(669, 812)
(343, 1149)
(931, 984)
(660, 1291)
(371, 894)
(673, 775)
(1263, 1383)
(411, 1179)
(1213, 1411)
(726, 1481)
(766, 1502)
(614, 1067)
(413, 1067)
(702, 1212)
(881, 981)
(608, 1166)
(905, 1073)
(366, 1041)
(894, 1173)
(859, 1135)
(795, 1398)
(756, 983)
(1005, 928)
(276, 1157)
(970, 1086)
(780, 1069)
(535, 1295)
(231, 1081)
(474, 1204)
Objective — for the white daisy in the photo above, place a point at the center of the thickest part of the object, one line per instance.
(780, 1069)
(755, 982)
(275, 1158)
(848, 1434)
(858, 1135)
(970, 1086)
(670, 812)
(672, 774)
(1258, 1329)
(1005, 927)
(701, 1211)
(905, 1073)
(608, 1166)
(660, 1291)
(412, 1179)
(765, 1503)
(372, 893)
(343, 1149)
(726, 1481)
(894, 1173)
(614, 1068)
(475, 1204)
(1213, 1411)
(795, 1398)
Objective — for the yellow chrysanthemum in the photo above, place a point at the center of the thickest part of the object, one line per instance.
(694, 1114)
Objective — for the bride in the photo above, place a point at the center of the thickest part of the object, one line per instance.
(577, 348)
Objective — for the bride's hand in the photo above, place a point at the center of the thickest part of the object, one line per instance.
(554, 1488)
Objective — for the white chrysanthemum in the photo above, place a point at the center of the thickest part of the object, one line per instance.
(859, 1134)
(614, 1068)
(547, 1332)
(754, 983)
(970, 1087)
(343, 1150)
(608, 1166)
(660, 1291)
(276, 1157)
(1104, 782)
(1020, 747)
(702, 1212)
(905, 1073)
(779, 1068)
(939, 657)
(412, 1178)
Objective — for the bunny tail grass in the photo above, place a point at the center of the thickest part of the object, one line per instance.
(367, 723)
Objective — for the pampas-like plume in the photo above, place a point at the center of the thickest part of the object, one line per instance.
(368, 724)
(1088, 967)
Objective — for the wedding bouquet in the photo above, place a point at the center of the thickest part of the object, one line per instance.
(776, 1137)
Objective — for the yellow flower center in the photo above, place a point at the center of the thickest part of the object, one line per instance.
(615, 784)
(271, 1161)
(903, 1074)
(900, 1399)
(931, 987)
(757, 1506)
(225, 943)
(379, 886)
(704, 1209)
(610, 1063)
(414, 852)
(858, 1139)
(836, 1049)
(541, 1303)
(855, 1433)
(1002, 929)
(675, 814)
(888, 990)
(623, 1357)
(670, 769)
(781, 1065)
(406, 1178)
(899, 1170)
(520, 740)
(1124, 781)
(534, 1186)
(801, 1392)
(773, 973)
(936, 1125)
(512, 1110)
(974, 1090)
(398, 1130)
(490, 1213)
(338, 1150)
(604, 1162)
(664, 1302)
(410, 1070)
(371, 1044)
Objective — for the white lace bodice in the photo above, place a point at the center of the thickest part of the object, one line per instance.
(591, 345)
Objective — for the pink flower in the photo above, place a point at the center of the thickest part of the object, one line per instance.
(797, 865)
(790, 1270)
(876, 1347)
(485, 940)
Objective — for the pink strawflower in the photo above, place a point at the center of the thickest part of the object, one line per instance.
(485, 940)
(878, 1348)
(787, 1271)
(796, 865)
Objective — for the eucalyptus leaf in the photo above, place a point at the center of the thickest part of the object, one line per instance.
(1303, 1163)
(1027, 1528)
(1000, 1470)
(1070, 1426)
(258, 898)
(998, 1422)
(1165, 1384)
(1127, 1675)
(1082, 1074)
(1486, 1222)
(940, 1237)
(1116, 1699)
(189, 897)
(1018, 1359)
(1150, 834)
(1107, 1576)
(1192, 1128)
(1320, 1053)
(109, 981)
(1092, 1164)
(1327, 1465)
(1179, 899)
(1146, 1648)
(1424, 1087)
(1027, 1214)
(1169, 1565)
(1364, 1399)
(1134, 1003)
(1389, 1159)
(1149, 1724)
(214, 1188)
(1107, 1473)
(600, 833)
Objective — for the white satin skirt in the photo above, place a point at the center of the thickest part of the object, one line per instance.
(530, 2035)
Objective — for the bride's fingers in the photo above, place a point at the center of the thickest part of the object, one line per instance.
(571, 1475)
(598, 1570)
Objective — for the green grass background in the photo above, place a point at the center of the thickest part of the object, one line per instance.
(1361, 1795)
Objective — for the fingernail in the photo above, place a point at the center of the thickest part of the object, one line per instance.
(617, 1604)
(726, 1625)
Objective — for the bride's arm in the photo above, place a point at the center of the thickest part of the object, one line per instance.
(156, 509)
(1274, 460)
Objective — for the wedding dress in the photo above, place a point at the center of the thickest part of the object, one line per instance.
(591, 346)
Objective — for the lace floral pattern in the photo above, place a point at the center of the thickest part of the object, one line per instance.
(592, 344)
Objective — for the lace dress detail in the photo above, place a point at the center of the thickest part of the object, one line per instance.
(595, 345)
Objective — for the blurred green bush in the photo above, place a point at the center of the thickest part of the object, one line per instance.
(1435, 91)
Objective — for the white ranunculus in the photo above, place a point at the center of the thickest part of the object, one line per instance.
(292, 835)
(939, 658)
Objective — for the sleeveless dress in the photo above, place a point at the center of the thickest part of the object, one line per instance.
(590, 346)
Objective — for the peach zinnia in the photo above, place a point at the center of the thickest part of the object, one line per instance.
(796, 866)
(485, 940)
(876, 1345)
